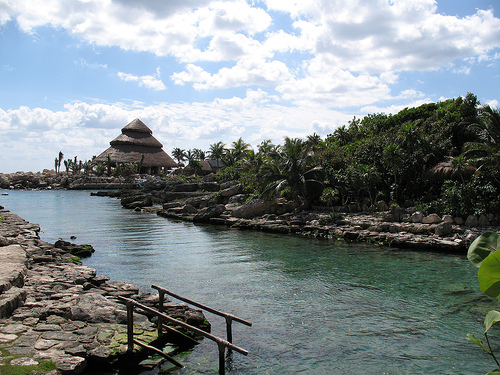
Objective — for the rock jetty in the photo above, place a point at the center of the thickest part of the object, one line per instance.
(205, 200)
(57, 316)
(226, 204)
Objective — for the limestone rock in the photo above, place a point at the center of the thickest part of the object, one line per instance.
(431, 219)
(205, 214)
(444, 229)
(483, 221)
(416, 217)
(92, 307)
(81, 251)
(472, 221)
(256, 207)
(69, 365)
(230, 191)
(448, 218)
(189, 210)
(382, 206)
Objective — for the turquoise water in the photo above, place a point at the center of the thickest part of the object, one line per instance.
(317, 307)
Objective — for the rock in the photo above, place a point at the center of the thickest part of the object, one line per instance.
(92, 307)
(471, 221)
(382, 206)
(82, 251)
(416, 217)
(431, 219)
(71, 365)
(256, 207)
(483, 221)
(230, 191)
(23, 361)
(4, 241)
(398, 213)
(205, 214)
(458, 220)
(189, 210)
(448, 218)
(238, 199)
(444, 229)
(137, 201)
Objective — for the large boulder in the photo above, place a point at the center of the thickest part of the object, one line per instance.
(431, 219)
(253, 208)
(205, 214)
(94, 308)
(444, 229)
(416, 217)
(81, 251)
(472, 221)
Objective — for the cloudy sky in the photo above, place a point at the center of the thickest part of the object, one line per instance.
(74, 72)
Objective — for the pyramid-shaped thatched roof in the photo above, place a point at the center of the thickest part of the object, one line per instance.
(135, 143)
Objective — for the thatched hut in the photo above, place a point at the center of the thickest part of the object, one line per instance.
(445, 170)
(136, 145)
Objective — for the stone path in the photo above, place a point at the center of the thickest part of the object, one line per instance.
(53, 309)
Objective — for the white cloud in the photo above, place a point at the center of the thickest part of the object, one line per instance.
(85, 63)
(493, 103)
(85, 129)
(153, 82)
(246, 72)
(338, 51)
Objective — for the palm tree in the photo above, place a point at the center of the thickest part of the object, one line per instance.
(217, 151)
(486, 150)
(290, 170)
(266, 148)
(179, 154)
(240, 149)
(343, 135)
(198, 154)
(312, 141)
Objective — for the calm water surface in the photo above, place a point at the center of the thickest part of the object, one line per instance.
(317, 307)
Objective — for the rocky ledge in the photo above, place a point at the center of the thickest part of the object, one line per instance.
(227, 205)
(57, 316)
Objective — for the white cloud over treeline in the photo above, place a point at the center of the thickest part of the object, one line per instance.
(344, 47)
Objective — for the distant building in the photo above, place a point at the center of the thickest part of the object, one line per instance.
(137, 145)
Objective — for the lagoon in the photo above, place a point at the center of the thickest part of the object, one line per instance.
(317, 306)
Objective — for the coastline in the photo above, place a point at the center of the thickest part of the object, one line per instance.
(57, 316)
(204, 200)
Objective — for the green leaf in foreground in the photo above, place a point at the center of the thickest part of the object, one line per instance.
(489, 275)
(491, 318)
(473, 338)
(486, 244)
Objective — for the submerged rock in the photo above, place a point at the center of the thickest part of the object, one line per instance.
(82, 251)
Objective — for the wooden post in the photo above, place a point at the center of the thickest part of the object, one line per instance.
(222, 355)
(130, 326)
(229, 321)
(161, 309)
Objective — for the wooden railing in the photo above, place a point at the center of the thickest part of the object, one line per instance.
(162, 318)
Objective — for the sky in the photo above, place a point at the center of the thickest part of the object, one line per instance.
(73, 73)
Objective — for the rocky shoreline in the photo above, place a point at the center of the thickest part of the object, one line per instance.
(57, 316)
(209, 201)
(225, 204)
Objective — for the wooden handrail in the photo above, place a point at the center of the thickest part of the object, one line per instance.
(209, 309)
(218, 340)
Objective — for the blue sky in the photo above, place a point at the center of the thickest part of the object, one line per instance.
(74, 72)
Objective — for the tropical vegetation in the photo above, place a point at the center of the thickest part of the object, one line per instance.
(442, 157)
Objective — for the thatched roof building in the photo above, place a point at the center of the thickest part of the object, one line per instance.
(137, 145)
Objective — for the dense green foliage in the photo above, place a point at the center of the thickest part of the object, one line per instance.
(442, 157)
